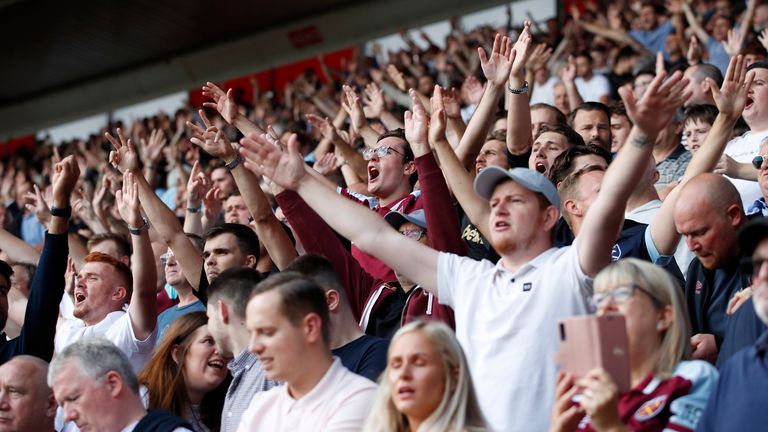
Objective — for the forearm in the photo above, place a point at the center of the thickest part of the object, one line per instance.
(77, 250)
(17, 249)
(694, 23)
(519, 138)
(267, 227)
(166, 224)
(353, 158)
(480, 124)
(193, 222)
(143, 308)
(246, 126)
(442, 221)
(709, 154)
(390, 121)
(323, 147)
(574, 97)
(461, 183)
(400, 98)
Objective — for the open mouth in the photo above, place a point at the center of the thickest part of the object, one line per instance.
(373, 173)
(217, 364)
(749, 103)
(540, 167)
(501, 225)
(405, 391)
(79, 297)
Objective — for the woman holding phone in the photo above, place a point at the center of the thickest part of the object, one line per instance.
(426, 386)
(668, 392)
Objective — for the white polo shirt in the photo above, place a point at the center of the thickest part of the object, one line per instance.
(340, 402)
(507, 325)
(743, 149)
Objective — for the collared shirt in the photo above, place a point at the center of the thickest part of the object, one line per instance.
(742, 149)
(507, 325)
(341, 402)
(738, 401)
(673, 167)
(248, 378)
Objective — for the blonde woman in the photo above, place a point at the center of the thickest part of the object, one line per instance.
(426, 386)
(668, 392)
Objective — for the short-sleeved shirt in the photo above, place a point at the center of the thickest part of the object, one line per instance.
(673, 404)
(592, 90)
(341, 402)
(743, 149)
(737, 402)
(673, 167)
(655, 40)
(507, 325)
(165, 319)
(365, 356)
(115, 327)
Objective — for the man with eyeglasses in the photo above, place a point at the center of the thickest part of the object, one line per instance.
(391, 177)
(737, 402)
(759, 163)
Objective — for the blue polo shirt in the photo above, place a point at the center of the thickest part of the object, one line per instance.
(739, 399)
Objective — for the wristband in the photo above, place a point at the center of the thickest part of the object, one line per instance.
(195, 209)
(139, 230)
(522, 90)
(234, 162)
(65, 212)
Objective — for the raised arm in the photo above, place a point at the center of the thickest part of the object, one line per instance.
(698, 30)
(369, 231)
(730, 100)
(649, 115)
(496, 69)
(47, 287)
(224, 103)
(267, 227)
(143, 308)
(198, 186)
(163, 220)
(519, 115)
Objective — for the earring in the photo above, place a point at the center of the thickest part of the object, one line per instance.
(659, 326)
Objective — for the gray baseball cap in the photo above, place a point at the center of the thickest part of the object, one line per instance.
(486, 182)
(396, 218)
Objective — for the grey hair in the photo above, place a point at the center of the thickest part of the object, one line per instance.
(95, 357)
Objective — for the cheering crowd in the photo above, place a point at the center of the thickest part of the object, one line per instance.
(391, 246)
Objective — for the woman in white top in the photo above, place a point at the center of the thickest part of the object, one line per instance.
(426, 385)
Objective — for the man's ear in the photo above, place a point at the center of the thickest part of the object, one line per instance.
(333, 298)
(251, 261)
(51, 406)
(313, 328)
(121, 292)
(114, 383)
(409, 168)
(223, 311)
(572, 207)
(550, 217)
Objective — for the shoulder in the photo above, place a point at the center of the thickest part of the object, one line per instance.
(697, 371)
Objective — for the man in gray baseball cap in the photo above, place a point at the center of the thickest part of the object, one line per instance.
(534, 181)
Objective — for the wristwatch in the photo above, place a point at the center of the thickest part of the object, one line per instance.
(65, 212)
(139, 230)
(234, 162)
(522, 90)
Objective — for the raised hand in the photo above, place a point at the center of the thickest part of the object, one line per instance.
(352, 104)
(396, 76)
(451, 103)
(152, 149)
(496, 68)
(569, 73)
(263, 157)
(128, 201)
(373, 100)
(734, 42)
(213, 202)
(474, 89)
(124, 157)
(416, 122)
(67, 172)
(211, 139)
(326, 165)
(539, 57)
(694, 51)
(763, 38)
(223, 102)
(655, 109)
(731, 97)
(437, 121)
(522, 51)
(197, 185)
(37, 204)
(324, 125)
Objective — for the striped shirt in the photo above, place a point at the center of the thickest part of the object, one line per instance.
(248, 378)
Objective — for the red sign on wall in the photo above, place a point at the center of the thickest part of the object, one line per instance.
(305, 37)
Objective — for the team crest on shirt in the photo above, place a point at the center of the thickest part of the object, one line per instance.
(615, 252)
(699, 287)
(651, 408)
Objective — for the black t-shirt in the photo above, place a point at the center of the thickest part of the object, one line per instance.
(365, 356)
(388, 315)
(478, 247)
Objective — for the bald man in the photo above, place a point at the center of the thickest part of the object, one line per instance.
(26, 401)
(708, 214)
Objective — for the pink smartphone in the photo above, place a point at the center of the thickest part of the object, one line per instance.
(588, 342)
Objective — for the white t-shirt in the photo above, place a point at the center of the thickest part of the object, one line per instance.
(743, 149)
(594, 89)
(340, 402)
(545, 93)
(115, 327)
(507, 325)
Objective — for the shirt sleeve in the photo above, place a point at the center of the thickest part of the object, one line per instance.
(688, 409)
